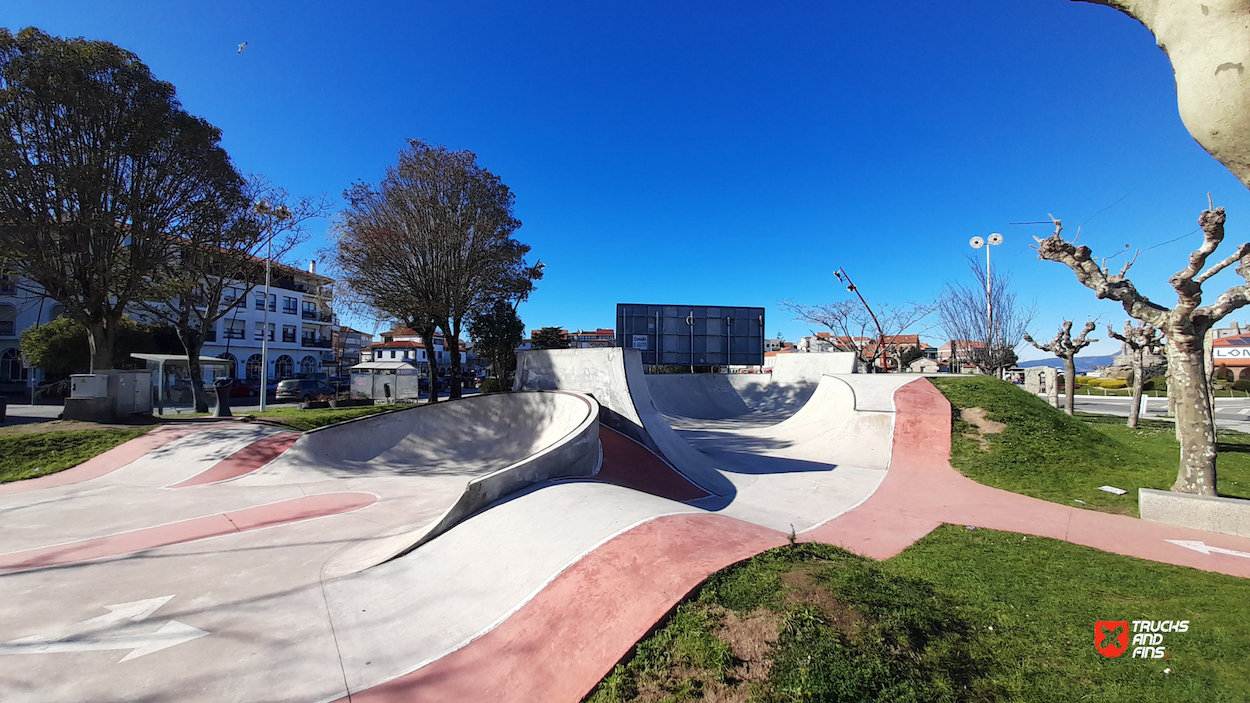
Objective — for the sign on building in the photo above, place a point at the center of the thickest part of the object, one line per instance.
(692, 335)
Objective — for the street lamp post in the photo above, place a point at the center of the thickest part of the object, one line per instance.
(977, 242)
(844, 277)
(279, 213)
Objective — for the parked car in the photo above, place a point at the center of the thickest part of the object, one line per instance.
(244, 388)
(303, 390)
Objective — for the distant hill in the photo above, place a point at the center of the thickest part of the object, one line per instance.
(1083, 363)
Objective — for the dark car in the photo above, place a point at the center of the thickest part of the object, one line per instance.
(303, 390)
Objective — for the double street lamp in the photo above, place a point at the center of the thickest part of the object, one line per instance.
(977, 242)
(275, 215)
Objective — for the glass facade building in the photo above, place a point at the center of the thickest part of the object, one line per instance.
(692, 335)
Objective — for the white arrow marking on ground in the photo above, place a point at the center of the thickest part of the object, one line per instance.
(1200, 546)
(170, 634)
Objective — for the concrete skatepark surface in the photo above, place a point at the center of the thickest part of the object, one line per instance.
(292, 579)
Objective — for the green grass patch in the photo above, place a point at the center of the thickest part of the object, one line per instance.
(1045, 454)
(304, 420)
(32, 454)
(959, 616)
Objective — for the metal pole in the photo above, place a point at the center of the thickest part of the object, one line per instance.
(690, 321)
(264, 333)
(885, 355)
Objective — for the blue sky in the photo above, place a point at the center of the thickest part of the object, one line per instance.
(719, 152)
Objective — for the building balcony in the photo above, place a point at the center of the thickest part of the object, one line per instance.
(315, 343)
(326, 317)
(309, 315)
(288, 338)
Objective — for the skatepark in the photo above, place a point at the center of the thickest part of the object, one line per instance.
(501, 547)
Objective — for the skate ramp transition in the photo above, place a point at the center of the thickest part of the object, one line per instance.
(834, 421)
(492, 445)
(614, 377)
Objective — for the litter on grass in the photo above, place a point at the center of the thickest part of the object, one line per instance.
(1079, 501)
(1113, 489)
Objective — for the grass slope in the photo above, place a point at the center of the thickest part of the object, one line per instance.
(959, 616)
(304, 420)
(1046, 454)
(32, 454)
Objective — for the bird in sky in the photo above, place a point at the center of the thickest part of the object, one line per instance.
(242, 47)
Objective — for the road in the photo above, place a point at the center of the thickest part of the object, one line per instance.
(1230, 413)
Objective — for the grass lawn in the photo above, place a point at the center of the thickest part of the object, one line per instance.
(1041, 452)
(959, 616)
(31, 454)
(304, 420)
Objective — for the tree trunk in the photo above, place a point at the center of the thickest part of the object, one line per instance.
(101, 336)
(431, 356)
(1135, 408)
(451, 341)
(1069, 384)
(193, 343)
(1195, 425)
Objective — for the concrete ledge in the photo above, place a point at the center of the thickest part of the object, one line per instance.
(1230, 516)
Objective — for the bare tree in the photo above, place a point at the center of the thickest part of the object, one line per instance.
(852, 327)
(1138, 340)
(964, 317)
(1184, 327)
(216, 259)
(1066, 348)
(434, 241)
(1209, 47)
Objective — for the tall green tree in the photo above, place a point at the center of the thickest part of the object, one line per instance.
(549, 338)
(99, 163)
(496, 333)
(60, 347)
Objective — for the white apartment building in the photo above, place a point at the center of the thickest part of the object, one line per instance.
(20, 307)
(302, 327)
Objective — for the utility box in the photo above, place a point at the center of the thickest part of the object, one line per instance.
(134, 393)
(89, 385)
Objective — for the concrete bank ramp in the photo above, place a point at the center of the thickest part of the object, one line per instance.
(614, 377)
(449, 459)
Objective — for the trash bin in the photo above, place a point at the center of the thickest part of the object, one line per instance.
(222, 386)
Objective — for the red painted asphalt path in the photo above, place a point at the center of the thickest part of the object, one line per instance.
(246, 520)
(559, 645)
(922, 491)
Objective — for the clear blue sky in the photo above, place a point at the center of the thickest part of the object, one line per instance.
(718, 152)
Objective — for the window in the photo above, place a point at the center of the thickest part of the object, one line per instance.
(392, 353)
(283, 367)
(290, 305)
(310, 310)
(56, 311)
(308, 364)
(259, 333)
(288, 333)
(8, 283)
(233, 329)
(234, 364)
(253, 366)
(11, 368)
(8, 320)
(260, 300)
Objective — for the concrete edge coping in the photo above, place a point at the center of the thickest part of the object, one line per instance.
(479, 494)
(1230, 516)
